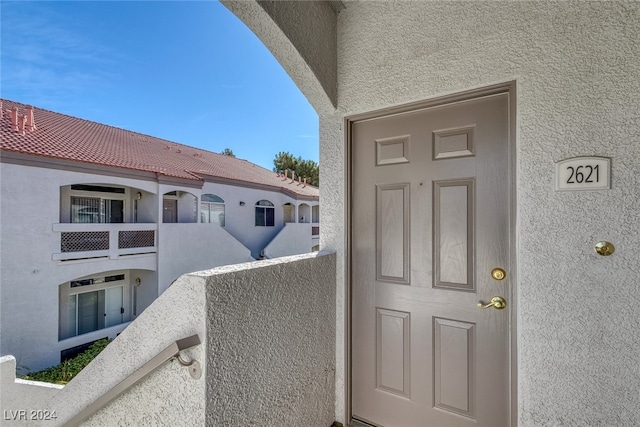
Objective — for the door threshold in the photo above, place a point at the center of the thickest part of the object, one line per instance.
(356, 423)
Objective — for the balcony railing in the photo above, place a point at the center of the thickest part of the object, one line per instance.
(78, 241)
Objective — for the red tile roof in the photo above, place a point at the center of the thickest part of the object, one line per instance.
(59, 136)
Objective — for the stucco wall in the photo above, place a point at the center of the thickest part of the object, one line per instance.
(270, 335)
(19, 398)
(293, 239)
(576, 67)
(191, 247)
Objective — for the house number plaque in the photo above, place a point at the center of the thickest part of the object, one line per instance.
(583, 173)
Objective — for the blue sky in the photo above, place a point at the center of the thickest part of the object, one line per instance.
(186, 71)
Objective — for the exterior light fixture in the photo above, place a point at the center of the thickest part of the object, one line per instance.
(139, 195)
(241, 203)
(138, 281)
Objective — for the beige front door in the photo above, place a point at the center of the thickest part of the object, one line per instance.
(430, 221)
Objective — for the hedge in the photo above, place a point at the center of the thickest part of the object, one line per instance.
(64, 372)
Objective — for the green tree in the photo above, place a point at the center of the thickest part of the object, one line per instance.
(228, 152)
(309, 169)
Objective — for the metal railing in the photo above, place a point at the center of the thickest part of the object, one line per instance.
(172, 351)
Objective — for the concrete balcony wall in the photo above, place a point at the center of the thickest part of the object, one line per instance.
(20, 397)
(293, 239)
(268, 352)
(271, 341)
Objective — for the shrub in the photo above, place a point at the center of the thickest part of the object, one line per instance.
(64, 372)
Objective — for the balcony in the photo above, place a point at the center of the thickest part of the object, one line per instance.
(82, 241)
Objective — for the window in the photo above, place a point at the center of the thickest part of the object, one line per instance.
(265, 214)
(88, 305)
(212, 209)
(88, 207)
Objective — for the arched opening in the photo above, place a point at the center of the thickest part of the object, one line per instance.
(304, 213)
(179, 206)
(289, 213)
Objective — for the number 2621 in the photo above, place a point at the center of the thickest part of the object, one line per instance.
(582, 174)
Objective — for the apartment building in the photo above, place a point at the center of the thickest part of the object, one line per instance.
(98, 221)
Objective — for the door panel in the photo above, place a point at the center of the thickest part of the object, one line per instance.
(392, 229)
(454, 363)
(113, 306)
(430, 220)
(453, 235)
(393, 371)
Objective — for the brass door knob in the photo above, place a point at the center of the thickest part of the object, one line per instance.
(496, 302)
(498, 273)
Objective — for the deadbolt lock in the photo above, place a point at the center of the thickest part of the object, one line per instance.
(605, 248)
(498, 273)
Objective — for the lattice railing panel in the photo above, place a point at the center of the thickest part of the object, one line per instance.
(136, 239)
(82, 241)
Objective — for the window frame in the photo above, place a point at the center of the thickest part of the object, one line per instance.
(68, 330)
(265, 214)
(211, 202)
(103, 198)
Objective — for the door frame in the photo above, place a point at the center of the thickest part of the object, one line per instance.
(500, 88)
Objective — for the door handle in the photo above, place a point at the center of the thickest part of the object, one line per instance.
(496, 302)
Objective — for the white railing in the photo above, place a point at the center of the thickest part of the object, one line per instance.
(79, 241)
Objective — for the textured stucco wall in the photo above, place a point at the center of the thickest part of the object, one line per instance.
(576, 67)
(168, 396)
(270, 335)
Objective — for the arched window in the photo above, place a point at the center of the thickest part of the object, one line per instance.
(212, 209)
(265, 214)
